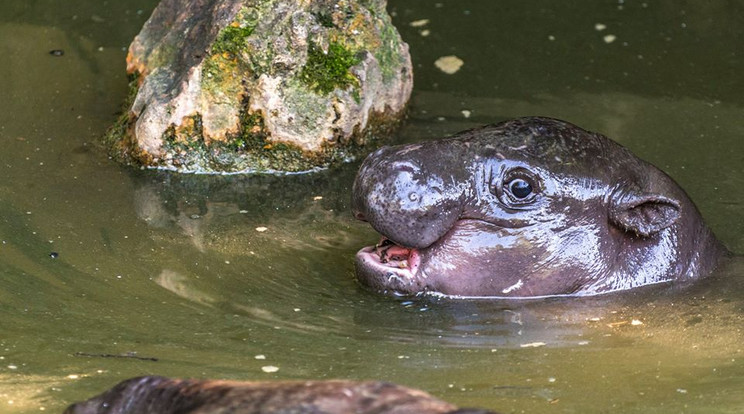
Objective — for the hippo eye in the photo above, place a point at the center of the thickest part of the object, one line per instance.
(520, 188)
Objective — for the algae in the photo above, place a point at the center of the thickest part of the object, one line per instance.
(232, 39)
(117, 139)
(252, 150)
(326, 71)
(325, 19)
(388, 53)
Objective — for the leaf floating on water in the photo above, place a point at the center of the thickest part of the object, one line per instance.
(533, 345)
(449, 64)
(419, 23)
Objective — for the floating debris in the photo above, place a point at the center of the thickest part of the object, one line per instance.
(449, 64)
(130, 355)
(533, 345)
(261, 229)
(419, 23)
(599, 27)
(609, 38)
(269, 369)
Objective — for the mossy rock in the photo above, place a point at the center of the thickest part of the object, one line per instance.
(228, 86)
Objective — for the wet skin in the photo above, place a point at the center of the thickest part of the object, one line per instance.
(176, 396)
(528, 207)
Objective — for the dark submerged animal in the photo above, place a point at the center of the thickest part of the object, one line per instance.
(528, 207)
(175, 396)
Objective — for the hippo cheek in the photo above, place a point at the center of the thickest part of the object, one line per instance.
(481, 259)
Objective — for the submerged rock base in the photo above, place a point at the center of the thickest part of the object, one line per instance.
(261, 85)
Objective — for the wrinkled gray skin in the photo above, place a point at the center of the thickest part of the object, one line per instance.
(598, 219)
(162, 395)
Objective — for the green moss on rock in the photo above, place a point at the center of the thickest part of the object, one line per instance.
(231, 39)
(326, 71)
(118, 140)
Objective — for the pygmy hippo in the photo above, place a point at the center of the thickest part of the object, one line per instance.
(175, 396)
(525, 208)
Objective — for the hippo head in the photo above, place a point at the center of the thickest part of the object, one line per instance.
(528, 207)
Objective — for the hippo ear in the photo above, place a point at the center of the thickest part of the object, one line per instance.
(644, 214)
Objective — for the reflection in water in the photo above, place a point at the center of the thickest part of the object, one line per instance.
(179, 285)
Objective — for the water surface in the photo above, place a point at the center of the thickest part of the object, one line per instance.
(109, 272)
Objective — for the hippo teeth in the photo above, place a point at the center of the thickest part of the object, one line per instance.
(389, 255)
(392, 253)
(389, 266)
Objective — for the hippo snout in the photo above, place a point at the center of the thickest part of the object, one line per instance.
(406, 201)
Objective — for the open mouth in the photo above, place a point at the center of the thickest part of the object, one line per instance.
(391, 260)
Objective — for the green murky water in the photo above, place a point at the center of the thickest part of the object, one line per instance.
(170, 274)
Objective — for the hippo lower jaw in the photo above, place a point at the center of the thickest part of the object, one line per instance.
(390, 267)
